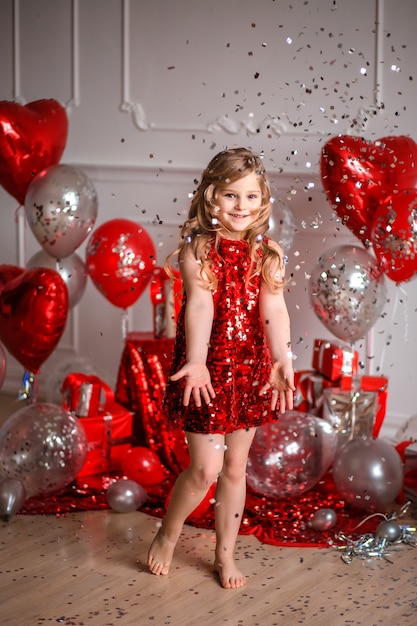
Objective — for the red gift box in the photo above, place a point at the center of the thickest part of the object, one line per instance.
(371, 383)
(308, 396)
(83, 395)
(334, 359)
(108, 425)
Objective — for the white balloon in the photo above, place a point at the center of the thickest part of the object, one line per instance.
(347, 291)
(125, 496)
(61, 207)
(72, 270)
(281, 223)
(323, 519)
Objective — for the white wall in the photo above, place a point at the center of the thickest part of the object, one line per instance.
(154, 89)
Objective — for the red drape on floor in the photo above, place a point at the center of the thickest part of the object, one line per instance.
(140, 387)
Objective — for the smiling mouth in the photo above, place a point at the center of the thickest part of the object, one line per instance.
(238, 215)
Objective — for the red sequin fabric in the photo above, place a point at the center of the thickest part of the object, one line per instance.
(238, 358)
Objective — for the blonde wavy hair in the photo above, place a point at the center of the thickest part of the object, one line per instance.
(201, 229)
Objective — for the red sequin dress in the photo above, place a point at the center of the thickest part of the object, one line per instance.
(238, 358)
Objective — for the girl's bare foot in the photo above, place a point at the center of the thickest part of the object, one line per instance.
(229, 575)
(160, 554)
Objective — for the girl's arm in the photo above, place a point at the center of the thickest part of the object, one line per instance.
(276, 322)
(198, 323)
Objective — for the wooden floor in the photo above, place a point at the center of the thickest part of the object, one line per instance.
(88, 569)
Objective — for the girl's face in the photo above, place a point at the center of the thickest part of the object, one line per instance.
(238, 205)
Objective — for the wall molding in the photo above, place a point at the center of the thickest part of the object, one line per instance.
(270, 124)
(74, 99)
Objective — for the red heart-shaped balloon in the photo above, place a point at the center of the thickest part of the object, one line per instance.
(353, 176)
(358, 174)
(32, 137)
(401, 154)
(393, 235)
(33, 313)
(8, 273)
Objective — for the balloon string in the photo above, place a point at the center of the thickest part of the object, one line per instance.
(370, 517)
(20, 219)
(124, 324)
(406, 320)
(403, 511)
(393, 316)
(370, 352)
(29, 388)
(354, 398)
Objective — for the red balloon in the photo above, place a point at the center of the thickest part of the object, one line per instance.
(393, 235)
(401, 153)
(120, 260)
(33, 313)
(357, 175)
(32, 137)
(8, 273)
(143, 465)
(353, 173)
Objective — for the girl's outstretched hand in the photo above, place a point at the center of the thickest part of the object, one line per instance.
(281, 381)
(197, 383)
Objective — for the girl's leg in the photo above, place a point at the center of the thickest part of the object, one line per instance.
(230, 502)
(206, 461)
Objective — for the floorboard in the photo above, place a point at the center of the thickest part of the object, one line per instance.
(89, 569)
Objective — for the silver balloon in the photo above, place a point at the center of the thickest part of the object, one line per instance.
(62, 366)
(61, 207)
(389, 529)
(12, 497)
(347, 291)
(43, 446)
(125, 496)
(72, 270)
(368, 473)
(291, 455)
(281, 223)
(323, 519)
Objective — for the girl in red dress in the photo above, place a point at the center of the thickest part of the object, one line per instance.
(232, 365)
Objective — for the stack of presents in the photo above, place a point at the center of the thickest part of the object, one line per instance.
(354, 405)
(108, 424)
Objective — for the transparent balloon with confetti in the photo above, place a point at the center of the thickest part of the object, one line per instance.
(291, 455)
(43, 446)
